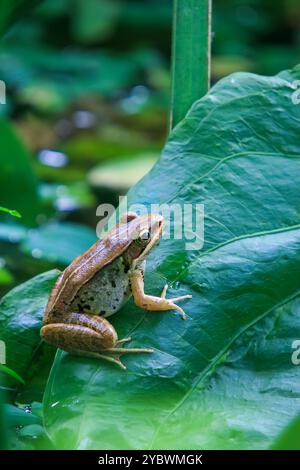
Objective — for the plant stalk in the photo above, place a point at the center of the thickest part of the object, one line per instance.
(191, 55)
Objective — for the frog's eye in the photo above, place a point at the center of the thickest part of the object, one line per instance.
(145, 235)
(143, 238)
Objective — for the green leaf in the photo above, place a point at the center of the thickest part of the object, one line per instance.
(94, 20)
(5, 276)
(12, 9)
(11, 212)
(289, 438)
(11, 373)
(3, 424)
(21, 312)
(25, 427)
(224, 378)
(33, 431)
(18, 186)
(20, 416)
(59, 242)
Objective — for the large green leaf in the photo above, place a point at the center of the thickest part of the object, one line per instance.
(224, 378)
(289, 438)
(21, 312)
(18, 186)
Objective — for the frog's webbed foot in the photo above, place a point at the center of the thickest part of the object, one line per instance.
(150, 302)
(172, 301)
(115, 360)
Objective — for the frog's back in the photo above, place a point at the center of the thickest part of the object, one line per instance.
(84, 268)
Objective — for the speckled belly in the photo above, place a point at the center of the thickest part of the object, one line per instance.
(106, 293)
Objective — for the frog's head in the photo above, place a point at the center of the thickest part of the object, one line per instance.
(144, 231)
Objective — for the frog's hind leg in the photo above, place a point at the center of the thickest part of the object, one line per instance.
(88, 335)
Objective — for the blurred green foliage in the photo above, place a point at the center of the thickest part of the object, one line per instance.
(11, 10)
(10, 211)
(16, 177)
(65, 49)
(261, 36)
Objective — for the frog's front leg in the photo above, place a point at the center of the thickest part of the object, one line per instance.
(150, 302)
(88, 335)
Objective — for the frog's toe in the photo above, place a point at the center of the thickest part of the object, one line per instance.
(179, 309)
(118, 361)
(181, 297)
(120, 351)
(172, 304)
(123, 341)
(164, 291)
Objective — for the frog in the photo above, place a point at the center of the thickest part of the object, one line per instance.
(98, 283)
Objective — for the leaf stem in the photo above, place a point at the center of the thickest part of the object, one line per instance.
(191, 52)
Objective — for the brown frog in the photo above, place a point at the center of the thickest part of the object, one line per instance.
(96, 285)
